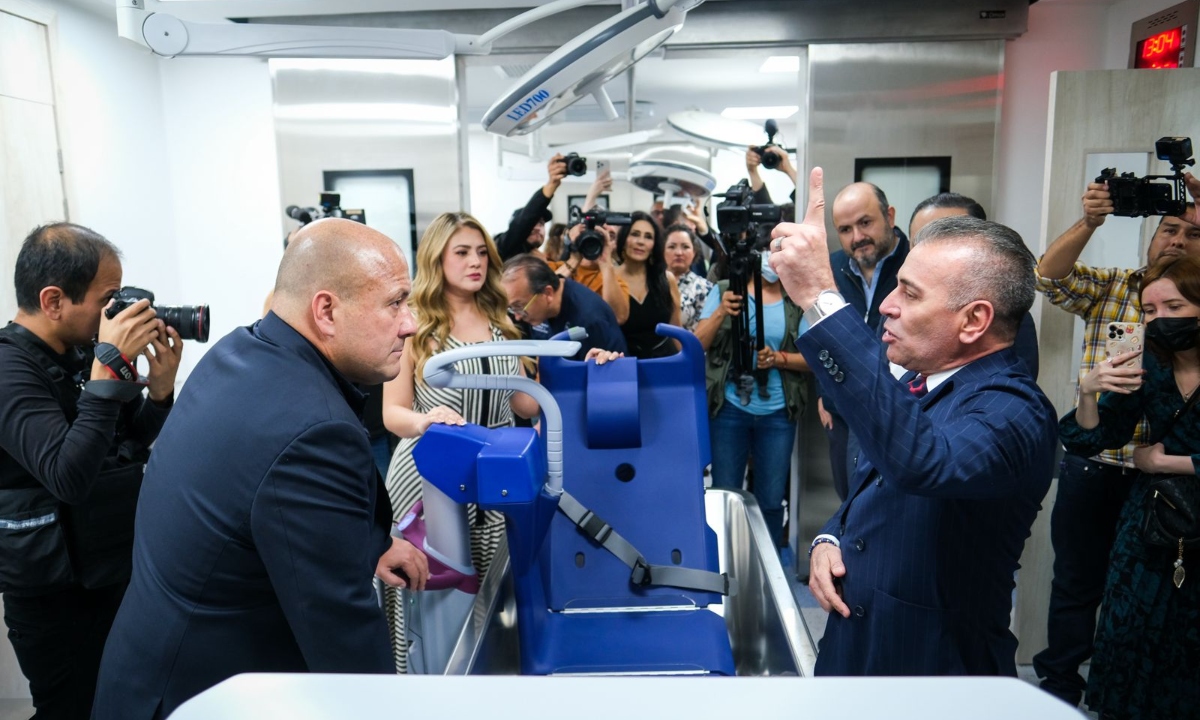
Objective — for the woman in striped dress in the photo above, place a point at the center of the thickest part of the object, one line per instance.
(458, 300)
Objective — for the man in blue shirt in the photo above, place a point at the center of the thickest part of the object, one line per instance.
(873, 249)
(551, 304)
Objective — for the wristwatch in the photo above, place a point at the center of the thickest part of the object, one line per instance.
(828, 302)
(116, 362)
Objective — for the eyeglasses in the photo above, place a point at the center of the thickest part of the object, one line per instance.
(518, 313)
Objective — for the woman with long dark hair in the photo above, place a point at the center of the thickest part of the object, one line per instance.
(1147, 658)
(653, 292)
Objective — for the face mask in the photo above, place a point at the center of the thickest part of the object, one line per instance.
(1173, 334)
(768, 274)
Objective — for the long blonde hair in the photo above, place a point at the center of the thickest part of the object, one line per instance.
(429, 285)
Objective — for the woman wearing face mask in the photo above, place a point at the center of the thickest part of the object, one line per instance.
(653, 293)
(765, 427)
(693, 289)
(1147, 655)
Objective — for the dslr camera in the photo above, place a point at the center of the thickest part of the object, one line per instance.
(1134, 196)
(576, 165)
(769, 160)
(330, 206)
(190, 321)
(590, 242)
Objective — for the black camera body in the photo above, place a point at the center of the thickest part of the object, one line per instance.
(741, 219)
(1134, 196)
(191, 322)
(769, 160)
(330, 206)
(590, 241)
(576, 165)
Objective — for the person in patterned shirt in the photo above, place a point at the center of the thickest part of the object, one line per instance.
(693, 289)
(1091, 491)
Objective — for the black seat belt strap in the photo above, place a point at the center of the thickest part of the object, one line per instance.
(643, 573)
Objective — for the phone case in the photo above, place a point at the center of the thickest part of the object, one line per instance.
(1123, 338)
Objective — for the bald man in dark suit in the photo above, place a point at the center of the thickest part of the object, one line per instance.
(262, 516)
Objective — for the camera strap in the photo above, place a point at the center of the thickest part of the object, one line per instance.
(68, 371)
(121, 367)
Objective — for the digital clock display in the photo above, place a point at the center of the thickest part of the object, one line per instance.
(1160, 51)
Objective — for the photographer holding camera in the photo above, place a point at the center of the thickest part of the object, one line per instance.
(588, 261)
(527, 230)
(75, 432)
(1091, 491)
(772, 157)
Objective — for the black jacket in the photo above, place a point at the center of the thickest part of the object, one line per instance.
(70, 466)
(851, 286)
(514, 240)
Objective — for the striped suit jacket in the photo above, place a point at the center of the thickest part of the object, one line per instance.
(942, 498)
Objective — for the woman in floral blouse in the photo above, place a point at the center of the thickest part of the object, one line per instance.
(693, 289)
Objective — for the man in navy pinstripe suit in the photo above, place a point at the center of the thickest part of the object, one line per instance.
(917, 565)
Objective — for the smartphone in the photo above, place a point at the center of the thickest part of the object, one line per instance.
(1123, 338)
(601, 167)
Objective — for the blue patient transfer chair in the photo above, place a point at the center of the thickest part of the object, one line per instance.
(614, 566)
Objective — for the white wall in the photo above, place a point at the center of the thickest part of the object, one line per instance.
(225, 189)
(115, 144)
(1062, 35)
(174, 161)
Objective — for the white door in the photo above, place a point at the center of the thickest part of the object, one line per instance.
(31, 190)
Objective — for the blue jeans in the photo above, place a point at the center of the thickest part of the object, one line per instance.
(736, 434)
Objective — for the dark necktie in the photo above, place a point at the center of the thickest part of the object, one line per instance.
(917, 386)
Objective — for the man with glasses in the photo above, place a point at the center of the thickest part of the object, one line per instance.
(551, 304)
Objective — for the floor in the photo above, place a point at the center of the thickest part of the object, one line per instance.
(15, 710)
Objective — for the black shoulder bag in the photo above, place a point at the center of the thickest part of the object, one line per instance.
(1171, 516)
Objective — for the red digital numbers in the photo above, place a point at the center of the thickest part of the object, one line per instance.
(1160, 51)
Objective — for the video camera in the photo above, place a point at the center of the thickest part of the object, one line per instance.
(576, 165)
(190, 321)
(590, 242)
(743, 221)
(769, 160)
(1134, 196)
(330, 206)
(745, 230)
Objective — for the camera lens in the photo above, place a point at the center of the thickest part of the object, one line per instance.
(591, 244)
(191, 322)
(769, 159)
(576, 165)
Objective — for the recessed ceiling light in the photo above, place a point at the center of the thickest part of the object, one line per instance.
(777, 112)
(429, 68)
(400, 112)
(781, 64)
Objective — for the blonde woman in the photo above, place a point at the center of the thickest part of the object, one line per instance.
(458, 300)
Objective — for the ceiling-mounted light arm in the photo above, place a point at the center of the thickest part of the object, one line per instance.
(526, 18)
(166, 35)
